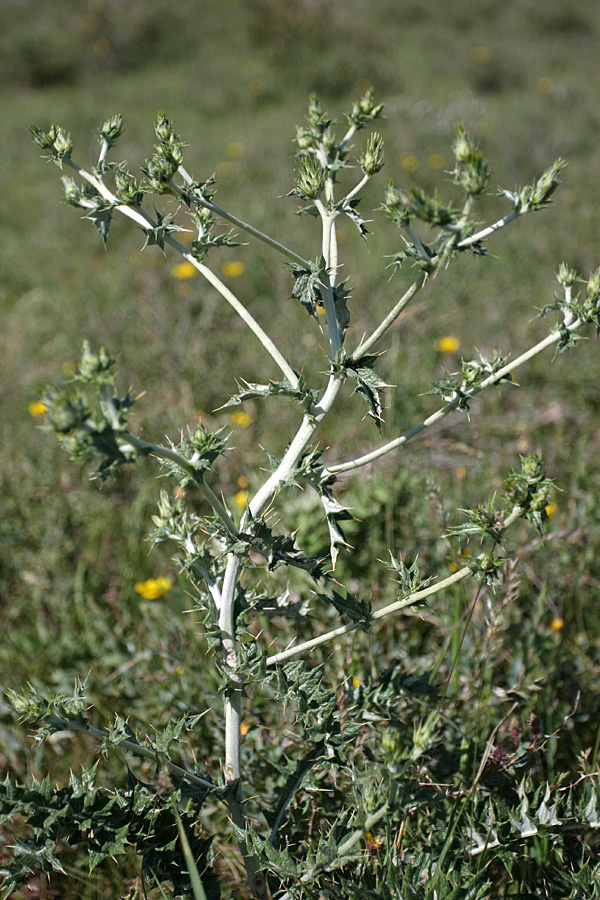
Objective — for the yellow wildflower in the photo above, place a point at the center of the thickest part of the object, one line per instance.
(447, 344)
(481, 54)
(183, 270)
(225, 168)
(241, 418)
(243, 482)
(244, 729)
(557, 624)
(241, 499)
(355, 681)
(551, 509)
(257, 87)
(545, 85)
(233, 269)
(37, 409)
(373, 843)
(180, 671)
(235, 149)
(436, 161)
(461, 473)
(409, 162)
(153, 588)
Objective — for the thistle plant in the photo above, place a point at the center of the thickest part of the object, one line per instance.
(237, 564)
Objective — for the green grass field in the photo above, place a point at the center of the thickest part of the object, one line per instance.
(234, 78)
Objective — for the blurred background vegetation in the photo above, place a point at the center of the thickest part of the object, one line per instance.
(234, 77)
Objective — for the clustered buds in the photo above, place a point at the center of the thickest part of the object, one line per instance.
(471, 172)
(529, 490)
(365, 110)
(56, 141)
(536, 196)
(160, 168)
(111, 130)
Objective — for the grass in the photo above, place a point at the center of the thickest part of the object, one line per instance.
(524, 83)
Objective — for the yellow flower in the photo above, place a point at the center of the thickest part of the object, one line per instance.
(481, 54)
(235, 149)
(551, 509)
(461, 473)
(244, 729)
(436, 161)
(557, 624)
(545, 85)
(409, 162)
(241, 418)
(233, 269)
(153, 588)
(355, 681)
(184, 270)
(243, 482)
(225, 168)
(37, 409)
(241, 499)
(447, 344)
(180, 671)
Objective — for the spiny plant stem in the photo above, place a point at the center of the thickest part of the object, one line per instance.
(490, 229)
(452, 405)
(417, 597)
(389, 320)
(245, 226)
(141, 218)
(131, 747)
(329, 249)
(294, 452)
(169, 454)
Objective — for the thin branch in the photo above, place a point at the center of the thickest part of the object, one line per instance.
(389, 320)
(294, 452)
(417, 597)
(141, 218)
(168, 453)
(132, 747)
(249, 229)
(452, 405)
(240, 309)
(328, 281)
(355, 190)
(485, 232)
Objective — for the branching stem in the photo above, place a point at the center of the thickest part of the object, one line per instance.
(452, 405)
(245, 226)
(141, 218)
(389, 320)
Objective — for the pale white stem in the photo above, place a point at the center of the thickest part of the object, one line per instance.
(240, 309)
(139, 217)
(355, 190)
(146, 222)
(327, 220)
(485, 232)
(294, 452)
(552, 338)
(167, 453)
(348, 136)
(245, 226)
(233, 704)
(417, 597)
(389, 320)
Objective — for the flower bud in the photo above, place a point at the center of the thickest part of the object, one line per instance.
(372, 159)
